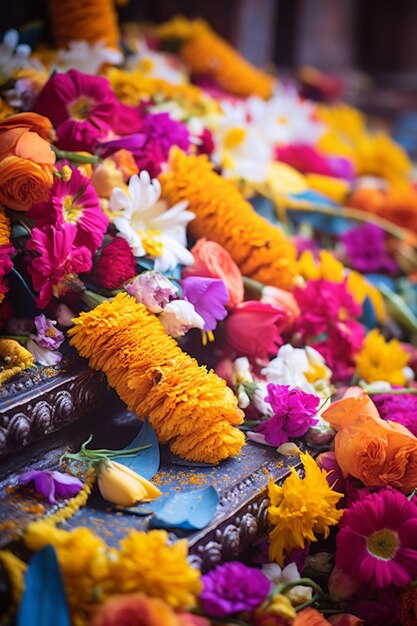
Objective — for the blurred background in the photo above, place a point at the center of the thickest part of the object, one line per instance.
(370, 44)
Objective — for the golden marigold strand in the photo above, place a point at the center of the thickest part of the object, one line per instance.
(261, 250)
(16, 357)
(91, 20)
(189, 407)
(4, 228)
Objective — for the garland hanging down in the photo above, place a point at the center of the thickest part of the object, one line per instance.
(190, 408)
(260, 250)
(206, 53)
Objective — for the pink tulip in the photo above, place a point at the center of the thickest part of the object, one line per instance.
(253, 328)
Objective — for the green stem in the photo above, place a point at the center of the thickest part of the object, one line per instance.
(75, 157)
(307, 582)
(313, 600)
(253, 285)
(394, 392)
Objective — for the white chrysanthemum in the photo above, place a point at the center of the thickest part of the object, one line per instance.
(15, 56)
(303, 368)
(87, 57)
(156, 64)
(148, 225)
(240, 149)
(285, 118)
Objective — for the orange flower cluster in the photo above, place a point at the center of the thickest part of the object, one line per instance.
(377, 452)
(4, 228)
(397, 204)
(190, 408)
(26, 160)
(205, 52)
(89, 20)
(259, 249)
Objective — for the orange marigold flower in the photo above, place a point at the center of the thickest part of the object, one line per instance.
(91, 20)
(4, 228)
(310, 617)
(205, 52)
(190, 408)
(259, 249)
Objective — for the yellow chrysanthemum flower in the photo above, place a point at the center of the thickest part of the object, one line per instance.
(260, 249)
(301, 508)
(382, 360)
(4, 228)
(189, 407)
(148, 563)
(205, 52)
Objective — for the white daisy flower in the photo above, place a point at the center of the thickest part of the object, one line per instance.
(156, 64)
(87, 57)
(149, 226)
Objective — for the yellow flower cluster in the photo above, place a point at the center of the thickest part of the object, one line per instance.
(382, 360)
(373, 154)
(329, 268)
(91, 20)
(260, 250)
(5, 109)
(145, 562)
(300, 508)
(16, 570)
(190, 408)
(133, 87)
(15, 357)
(205, 52)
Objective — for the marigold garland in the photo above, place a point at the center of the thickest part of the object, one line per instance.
(190, 408)
(88, 20)
(205, 52)
(222, 215)
(16, 357)
(4, 228)
(15, 569)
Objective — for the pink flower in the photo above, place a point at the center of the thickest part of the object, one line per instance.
(74, 202)
(116, 264)
(377, 543)
(55, 268)
(309, 160)
(341, 585)
(253, 329)
(6, 265)
(294, 412)
(279, 297)
(153, 290)
(80, 106)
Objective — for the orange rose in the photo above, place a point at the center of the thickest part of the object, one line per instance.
(27, 135)
(23, 183)
(213, 261)
(408, 603)
(377, 452)
(310, 617)
(135, 609)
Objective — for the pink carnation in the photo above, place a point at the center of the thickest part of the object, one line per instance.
(74, 202)
(377, 541)
(80, 106)
(294, 412)
(57, 262)
(116, 264)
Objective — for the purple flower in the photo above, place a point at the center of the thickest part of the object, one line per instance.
(233, 587)
(49, 484)
(398, 408)
(366, 251)
(209, 297)
(47, 335)
(294, 412)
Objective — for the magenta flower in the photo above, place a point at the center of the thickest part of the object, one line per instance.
(377, 541)
(54, 270)
(381, 608)
(294, 412)
(233, 587)
(6, 265)
(150, 147)
(47, 335)
(209, 297)
(80, 106)
(401, 409)
(74, 202)
(366, 249)
(308, 160)
(52, 483)
(327, 323)
(327, 461)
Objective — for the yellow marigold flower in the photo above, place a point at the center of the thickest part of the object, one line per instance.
(300, 508)
(15, 357)
(148, 563)
(379, 155)
(92, 20)
(382, 360)
(327, 267)
(205, 52)
(260, 250)
(343, 119)
(190, 408)
(4, 227)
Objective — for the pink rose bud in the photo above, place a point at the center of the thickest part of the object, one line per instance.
(341, 585)
(153, 290)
